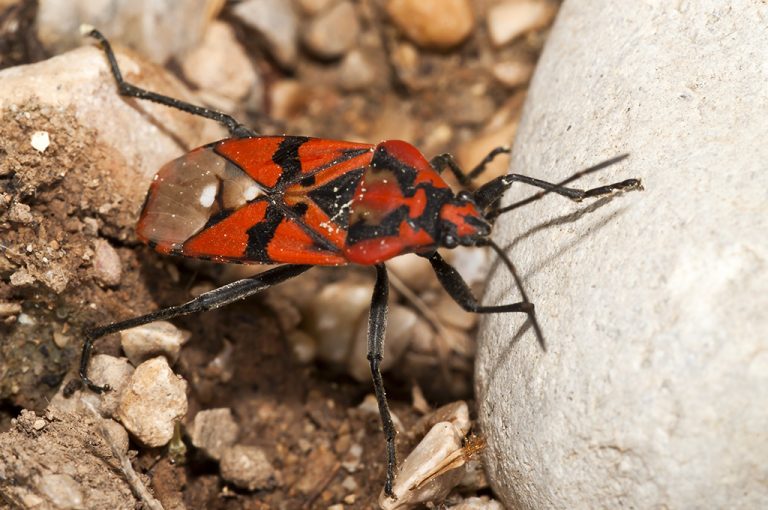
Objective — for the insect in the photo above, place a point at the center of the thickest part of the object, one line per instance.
(307, 202)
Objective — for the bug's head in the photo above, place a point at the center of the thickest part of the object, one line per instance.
(462, 222)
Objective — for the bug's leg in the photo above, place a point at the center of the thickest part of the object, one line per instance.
(457, 288)
(216, 298)
(236, 129)
(443, 161)
(489, 193)
(377, 325)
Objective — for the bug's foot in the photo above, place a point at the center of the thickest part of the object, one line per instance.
(93, 386)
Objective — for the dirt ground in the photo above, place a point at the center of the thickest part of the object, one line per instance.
(55, 206)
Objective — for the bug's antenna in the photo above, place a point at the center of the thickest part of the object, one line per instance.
(519, 283)
(624, 185)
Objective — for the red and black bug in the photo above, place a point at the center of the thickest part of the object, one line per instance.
(305, 202)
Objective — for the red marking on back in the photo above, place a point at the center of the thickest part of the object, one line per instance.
(457, 215)
(228, 239)
(254, 156)
(293, 245)
(317, 153)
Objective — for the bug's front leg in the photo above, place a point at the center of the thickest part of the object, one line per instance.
(443, 161)
(492, 191)
(377, 325)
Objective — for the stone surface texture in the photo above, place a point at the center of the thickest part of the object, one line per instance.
(653, 304)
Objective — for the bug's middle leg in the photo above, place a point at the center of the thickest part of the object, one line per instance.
(377, 325)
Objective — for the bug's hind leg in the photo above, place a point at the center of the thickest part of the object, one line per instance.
(236, 129)
(216, 298)
(443, 161)
(377, 325)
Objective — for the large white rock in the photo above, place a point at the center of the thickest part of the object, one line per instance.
(653, 392)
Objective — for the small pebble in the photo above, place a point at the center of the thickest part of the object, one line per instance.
(513, 73)
(357, 71)
(219, 65)
(61, 490)
(334, 32)
(152, 402)
(481, 503)
(214, 430)
(55, 279)
(317, 464)
(304, 347)
(107, 267)
(424, 476)
(60, 339)
(451, 314)
(21, 213)
(159, 338)
(474, 477)
(39, 424)
(247, 467)
(474, 150)
(351, 460)
(287, 98)
(276, 22)
(510, 19)
(21, 278)
(334, 316)
(414, 271)
(433, 24)
(8, 309)
(40, 140)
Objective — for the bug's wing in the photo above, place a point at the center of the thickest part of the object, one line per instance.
(191, 193)
(279, 161)
(248, 200)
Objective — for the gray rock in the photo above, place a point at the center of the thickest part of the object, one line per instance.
(653, 304)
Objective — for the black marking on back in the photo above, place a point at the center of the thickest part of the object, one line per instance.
(261, 234)
(429, 220)
(287, 157)
(344, 155)
(218, 216)
(296, 214)
(405, 175)
(334, 197)
(300, 209)
(389, 227)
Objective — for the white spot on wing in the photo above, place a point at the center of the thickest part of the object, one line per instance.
(208, 195)
(251, 192)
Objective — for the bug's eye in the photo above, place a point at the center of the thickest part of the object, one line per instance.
(449, 241)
